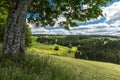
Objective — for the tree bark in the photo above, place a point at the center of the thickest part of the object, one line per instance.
(14, 34)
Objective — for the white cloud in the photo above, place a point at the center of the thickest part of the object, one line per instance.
(110, 11)
(60, 19)
(111, 25)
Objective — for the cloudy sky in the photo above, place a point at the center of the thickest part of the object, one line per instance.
(107, 25)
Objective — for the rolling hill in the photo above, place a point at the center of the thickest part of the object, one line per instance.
(50, 67)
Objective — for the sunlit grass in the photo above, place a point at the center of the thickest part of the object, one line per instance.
(91, 70)
(49, 67)
(49, 49)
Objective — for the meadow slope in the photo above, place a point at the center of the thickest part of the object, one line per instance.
(90, 70)
(50, 67)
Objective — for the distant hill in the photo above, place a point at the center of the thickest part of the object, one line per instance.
(105, 36)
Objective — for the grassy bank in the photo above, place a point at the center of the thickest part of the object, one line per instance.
(50, 67)
(35, 67)
(44, 67)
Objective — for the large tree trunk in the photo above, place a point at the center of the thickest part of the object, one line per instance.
(14, 36)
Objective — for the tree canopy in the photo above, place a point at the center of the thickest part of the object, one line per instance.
(49, 11)
(80, 10)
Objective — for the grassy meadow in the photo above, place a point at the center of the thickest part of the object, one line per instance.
(39, 66)
(49, 49)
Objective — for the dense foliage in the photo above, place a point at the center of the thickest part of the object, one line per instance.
(3, 16)
(56, 48)
(46, 40)
(28, 38)
(68, 41)
(80, 10)
(101, 50)
(93, 48)
(48, 13)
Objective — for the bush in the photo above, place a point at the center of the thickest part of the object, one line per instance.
(3, 16)
(70, 45)
(56, 48)
(69, 51)
(77, 54)
(78, 47)
(28, 39)
(1, 32)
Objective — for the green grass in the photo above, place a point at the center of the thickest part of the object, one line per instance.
(43, 67)
(35, 67)
(49, 49)
(50, 67)
(90, 70)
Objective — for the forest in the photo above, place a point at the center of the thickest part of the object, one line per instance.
(104, 48)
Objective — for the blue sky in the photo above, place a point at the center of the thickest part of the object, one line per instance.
(107, 25)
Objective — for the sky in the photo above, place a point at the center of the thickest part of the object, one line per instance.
(107, 25)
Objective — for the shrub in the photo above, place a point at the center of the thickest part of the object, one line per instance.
(1, 32)
(3, 16)
(78, 47)
(70, 45)
(28, 39)
(56, 48)
(77, 54)
(69, 51)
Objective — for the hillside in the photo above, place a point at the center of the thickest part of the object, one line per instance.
(90, 70)
(49, 49)
(49, 67)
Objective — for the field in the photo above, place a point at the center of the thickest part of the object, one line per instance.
(49, 49)
(39, 66)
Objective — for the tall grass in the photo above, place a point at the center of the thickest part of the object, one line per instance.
(49, 67)
(35, 67)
